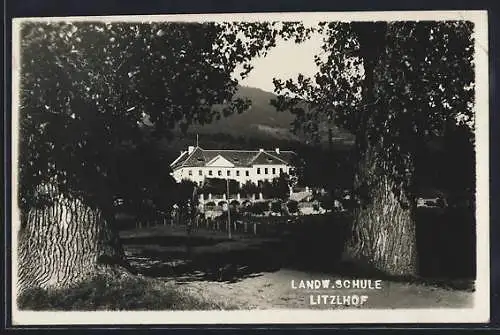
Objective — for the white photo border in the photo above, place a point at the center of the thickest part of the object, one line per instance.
(479, 313)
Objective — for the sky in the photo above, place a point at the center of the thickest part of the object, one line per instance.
(284, 61)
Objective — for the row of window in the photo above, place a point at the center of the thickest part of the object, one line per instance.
(247, 173)
(219, 173)
(266, 171)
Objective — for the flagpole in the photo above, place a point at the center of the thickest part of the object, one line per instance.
(228, 211)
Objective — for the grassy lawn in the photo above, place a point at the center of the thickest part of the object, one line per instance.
(116, 292)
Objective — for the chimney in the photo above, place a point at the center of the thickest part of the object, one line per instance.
(190, 149)
(277, 150)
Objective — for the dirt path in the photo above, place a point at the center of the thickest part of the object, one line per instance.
(267, 281)
(274, 291)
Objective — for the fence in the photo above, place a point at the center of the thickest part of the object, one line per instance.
(240, 224)
(262, 226)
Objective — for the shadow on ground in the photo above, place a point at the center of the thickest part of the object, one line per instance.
(226, 261)
(445, 243)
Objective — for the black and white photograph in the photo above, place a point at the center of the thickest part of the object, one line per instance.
(250, 168)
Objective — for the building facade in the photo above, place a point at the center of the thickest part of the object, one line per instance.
(197, 164)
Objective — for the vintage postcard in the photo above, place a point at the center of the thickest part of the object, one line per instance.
(320, 168)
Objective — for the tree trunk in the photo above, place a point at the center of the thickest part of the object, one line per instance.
(383, 232)
(64, 242)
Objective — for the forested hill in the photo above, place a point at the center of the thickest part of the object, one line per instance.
(261, 121)
(261, 126)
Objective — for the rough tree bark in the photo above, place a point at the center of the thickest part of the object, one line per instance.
(64, 241)
(383, 231)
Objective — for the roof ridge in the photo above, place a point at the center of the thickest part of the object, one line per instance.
(253, 159)
(236, 157)
(231, 150)
(215, 158)
(245, 150)
(178, 158)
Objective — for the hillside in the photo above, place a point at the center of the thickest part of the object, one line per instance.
(260, 121)
(261, 126)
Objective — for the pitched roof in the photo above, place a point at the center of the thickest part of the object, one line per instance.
(240, 158)
(179, 160)
(265, 157)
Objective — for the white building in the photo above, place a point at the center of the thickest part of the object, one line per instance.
(196, 164)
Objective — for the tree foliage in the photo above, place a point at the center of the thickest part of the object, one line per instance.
(329, 169)
(219, 186)
(275, 206)
(292, 206)
(258, 208)
(393, 84)
(89, 88)
(250, 188)
(139, 175)
(276, 188)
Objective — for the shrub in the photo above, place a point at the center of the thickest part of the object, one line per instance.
(249, 188)
(326, 201)
(276, 188)
(258, 207)
(276, 206)
(219, 186)
(293, 206)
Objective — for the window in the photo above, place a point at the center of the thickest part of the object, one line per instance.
(228, 173)
(274, 170)
(190, 172)
(258, 170)
(200, 173)
(247, 173)
(209, 172)
(281, 170)
(219, 173)
(237, 173)
(266, 170)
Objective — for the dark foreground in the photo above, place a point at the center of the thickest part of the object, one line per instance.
(207, 271)
(445, 241)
